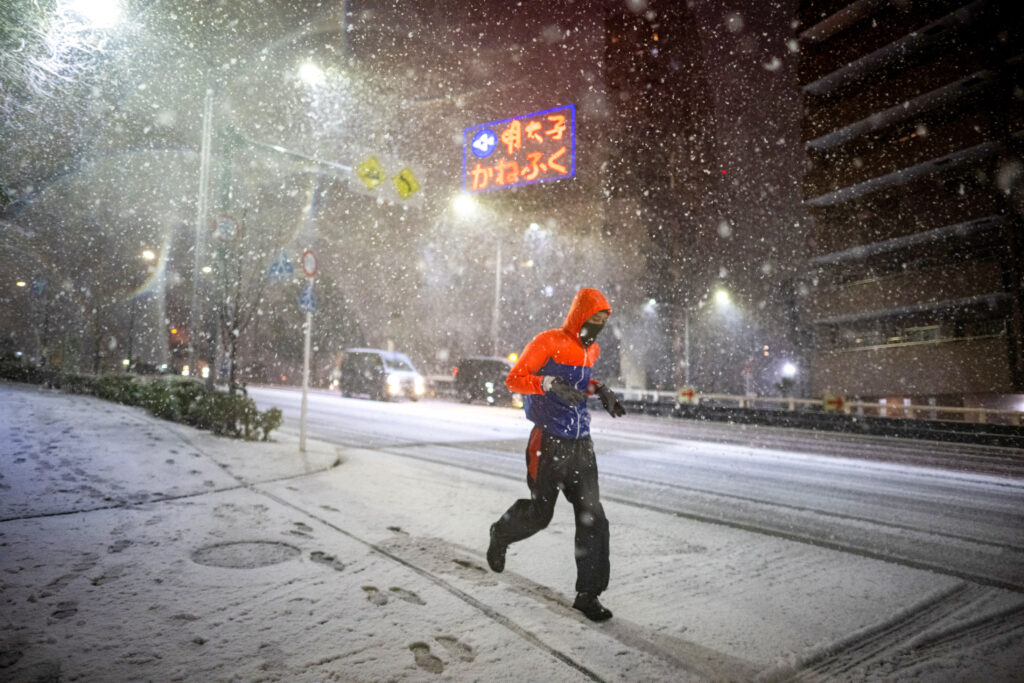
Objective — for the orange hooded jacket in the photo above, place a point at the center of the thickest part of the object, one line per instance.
(559, 353)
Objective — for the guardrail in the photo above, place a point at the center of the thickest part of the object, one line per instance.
(858, 408)
(442, 386)
(915, 422)
(944, 423)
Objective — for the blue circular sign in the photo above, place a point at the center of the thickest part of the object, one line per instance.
(484, 142)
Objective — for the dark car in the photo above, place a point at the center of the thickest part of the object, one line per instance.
(482, 379)
(379, 374)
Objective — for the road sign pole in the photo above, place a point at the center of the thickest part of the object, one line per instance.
(195, 314)
(305, 378)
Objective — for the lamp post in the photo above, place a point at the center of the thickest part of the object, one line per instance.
(148, 255)
(686, 345)
(202, 215)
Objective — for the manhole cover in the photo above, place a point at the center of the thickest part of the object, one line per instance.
(244, 554)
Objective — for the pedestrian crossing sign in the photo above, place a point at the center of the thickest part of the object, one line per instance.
(370, 172)
(406, 183)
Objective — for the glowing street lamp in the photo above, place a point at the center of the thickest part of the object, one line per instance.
(99, 13)
(311, 74)
(722, 298)
(464, 205)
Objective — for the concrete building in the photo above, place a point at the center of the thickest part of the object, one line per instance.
(913, 129)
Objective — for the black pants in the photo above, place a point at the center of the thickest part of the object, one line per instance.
(569, 465)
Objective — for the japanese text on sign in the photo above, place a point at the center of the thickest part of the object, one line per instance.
(533, 148)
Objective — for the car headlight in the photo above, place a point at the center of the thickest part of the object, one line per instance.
(419, 386)
(394, 384)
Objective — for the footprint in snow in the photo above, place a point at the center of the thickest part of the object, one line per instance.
(408, 596)
(456, 648)
(425, 660)
(466, 564)
(323, 558)
(118, 546)
(65, 610)
(375, 596)
(301, 530)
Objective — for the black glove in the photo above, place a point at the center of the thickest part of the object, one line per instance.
(610, 401)
(566, 392)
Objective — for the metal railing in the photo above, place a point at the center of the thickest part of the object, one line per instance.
(860, 408)
(441, 386)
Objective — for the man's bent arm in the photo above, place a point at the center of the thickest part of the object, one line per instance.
(523, 377)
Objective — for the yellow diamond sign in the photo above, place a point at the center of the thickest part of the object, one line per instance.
(406, 183)
(371, 172)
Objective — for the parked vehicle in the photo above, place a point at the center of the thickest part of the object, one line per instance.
(482, 379)
(380, 375)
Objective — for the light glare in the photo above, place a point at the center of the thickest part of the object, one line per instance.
(99, 13)
(464, 205)
(311, 74)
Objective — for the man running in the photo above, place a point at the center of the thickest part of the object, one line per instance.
(554, 376)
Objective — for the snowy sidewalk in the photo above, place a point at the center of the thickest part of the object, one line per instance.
(137, 549)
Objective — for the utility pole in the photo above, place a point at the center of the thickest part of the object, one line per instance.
(195, 317)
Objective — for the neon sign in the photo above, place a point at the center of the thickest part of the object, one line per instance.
(534, 148)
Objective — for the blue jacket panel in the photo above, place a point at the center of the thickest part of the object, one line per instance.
(554, 416)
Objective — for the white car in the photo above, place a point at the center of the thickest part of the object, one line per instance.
(379, 374)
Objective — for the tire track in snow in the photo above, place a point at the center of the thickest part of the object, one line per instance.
(757, 523)
(946, 623)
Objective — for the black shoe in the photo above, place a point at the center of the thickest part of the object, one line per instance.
(591, 607)
(496, 553)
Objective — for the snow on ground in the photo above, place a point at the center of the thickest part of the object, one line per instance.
(136, 549)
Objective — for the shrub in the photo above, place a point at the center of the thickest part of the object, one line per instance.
(233, 415)
(269, 421)
(169, 398)
(75, 384)
(120, 388)
(179, 399)
(17, 370)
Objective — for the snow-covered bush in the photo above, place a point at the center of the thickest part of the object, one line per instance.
(177, 399)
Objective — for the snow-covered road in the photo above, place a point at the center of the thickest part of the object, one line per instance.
(135, 549)
(871, 496)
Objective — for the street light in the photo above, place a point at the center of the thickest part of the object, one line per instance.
(99, 13)
(311, 74)
(723, 301)
(147, 255)
(464, 205)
